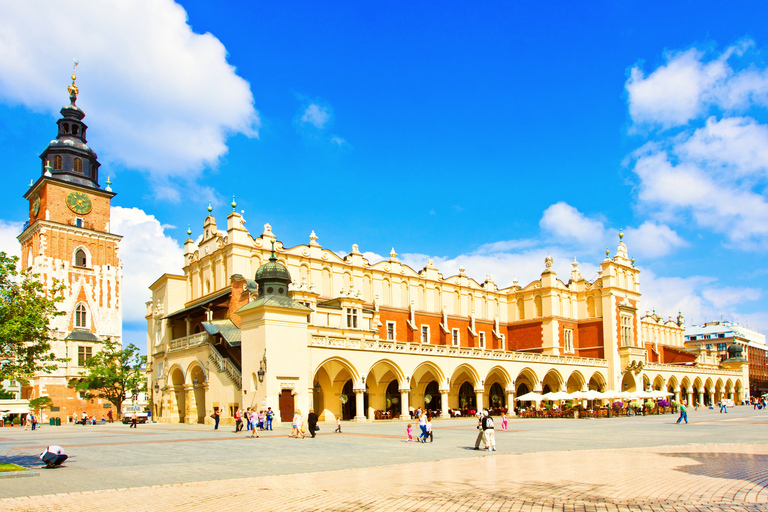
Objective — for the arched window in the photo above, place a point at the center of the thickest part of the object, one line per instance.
(78, 165)
(81, 316)
(80, 259)
(57, 163)
(74, 129)
(66, 127)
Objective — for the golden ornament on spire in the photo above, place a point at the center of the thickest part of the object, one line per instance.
(73, 90)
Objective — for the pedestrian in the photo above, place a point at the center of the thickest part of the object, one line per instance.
(298, 425)
(24, 420)
(216, 417)
(423, 427)
(248, 424)
(238, 420)
(504, 421)
(683, 414)
(270, 416)
(429, 429)
(489, 434)
(84, 418)
(480, 436)
(32, 420)
(261, 419)
(312, 422)
(53, 456)
(134, 420)
(252, 418)
(338, 424)
(409, 433)
(723, 407)
(109, 416)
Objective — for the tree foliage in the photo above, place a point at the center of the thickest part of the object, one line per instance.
(40, 403)
(111, 373)
(26, 307)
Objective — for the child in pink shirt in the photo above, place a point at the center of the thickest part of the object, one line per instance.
(409, 431)
(504, 421)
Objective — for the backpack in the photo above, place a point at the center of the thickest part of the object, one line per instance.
(489, 424)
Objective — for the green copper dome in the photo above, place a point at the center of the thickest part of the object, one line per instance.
(273, 278)
(273, 270)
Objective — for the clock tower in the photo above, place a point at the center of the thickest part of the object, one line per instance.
(68, 238)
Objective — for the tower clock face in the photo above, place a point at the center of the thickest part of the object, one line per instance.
(79, 202)
(36, 205)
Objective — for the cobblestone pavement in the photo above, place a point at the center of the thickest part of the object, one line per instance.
(684, 469)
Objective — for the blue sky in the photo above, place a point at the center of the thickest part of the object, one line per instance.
(484, 136)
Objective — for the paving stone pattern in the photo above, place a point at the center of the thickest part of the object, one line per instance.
(371, 467)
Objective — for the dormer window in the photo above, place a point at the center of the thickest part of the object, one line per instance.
(81, 318)
(57, 163)
(78, 165)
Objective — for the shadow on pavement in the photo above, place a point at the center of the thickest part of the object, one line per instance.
(733, 466)
(27, 461)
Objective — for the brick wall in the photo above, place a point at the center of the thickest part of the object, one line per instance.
(525, 336)
(590, 340)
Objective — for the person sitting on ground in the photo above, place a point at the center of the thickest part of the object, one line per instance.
(53, 456)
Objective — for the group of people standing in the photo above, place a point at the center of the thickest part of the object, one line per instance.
(252, 420)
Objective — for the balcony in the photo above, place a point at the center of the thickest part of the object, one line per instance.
(194, 340)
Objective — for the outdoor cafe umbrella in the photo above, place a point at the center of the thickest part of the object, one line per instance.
(557, 395)
(532, 397)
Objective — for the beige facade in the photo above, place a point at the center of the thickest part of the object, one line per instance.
(367, 341)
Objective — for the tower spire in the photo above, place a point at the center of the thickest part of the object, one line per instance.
(73, 90)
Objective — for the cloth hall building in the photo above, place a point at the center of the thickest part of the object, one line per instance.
(252, 323)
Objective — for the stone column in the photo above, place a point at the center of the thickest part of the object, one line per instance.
(360, 404)
(730, 395)
(711, 397)
(444, 404)
(510, 401)
(677, 395)
(479, 398)
(173, 405)
(190, 405)
(690, 398)
(701, 398)
(404, 405)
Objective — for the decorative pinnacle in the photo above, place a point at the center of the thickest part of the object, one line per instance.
(607, 252)
(210, 208)
(109, 188)
(189, 230)
(48, 168)
(31, 182)
(621, 235)
(73, 90)
(633, 261)
(272, 256)
(233, 204)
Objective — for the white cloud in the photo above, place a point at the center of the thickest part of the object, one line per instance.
(317, 116)
(567, 223)
(159, 97)
(688, 84)
(146, 253)
(674, 93)
(9, 230)
(726, 297)
(338, 141)
(652, 240)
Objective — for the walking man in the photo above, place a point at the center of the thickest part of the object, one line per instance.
(683, 414)
(270, 415)
(312, 422)
(480, 436)
(723, 407)
(109, 416)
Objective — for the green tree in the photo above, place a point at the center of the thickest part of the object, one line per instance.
(40, 403)
(112, 373)
(26, 307)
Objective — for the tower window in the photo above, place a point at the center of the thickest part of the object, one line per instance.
(74, 129)
(78, 165)
(57, 163)
(80, 260)
(81, 316)
(66, 127)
